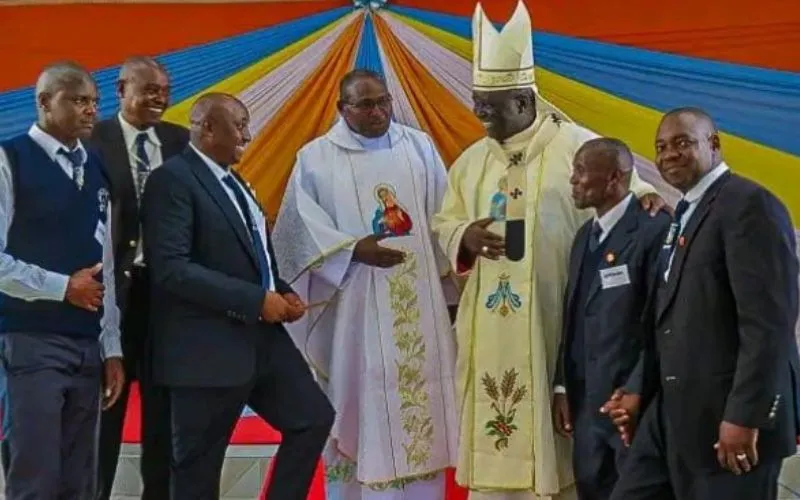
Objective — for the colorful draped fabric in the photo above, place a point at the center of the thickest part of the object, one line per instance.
(612, 67)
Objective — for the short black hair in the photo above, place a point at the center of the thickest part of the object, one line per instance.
(355, 75)
(698, 113)
(611, 148)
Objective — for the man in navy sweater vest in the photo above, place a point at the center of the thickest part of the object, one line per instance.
(613, 265)
(59, 323)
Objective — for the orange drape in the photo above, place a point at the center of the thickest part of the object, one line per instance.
(101, 35)
(308, 114)
(765, 34)
(450, 124)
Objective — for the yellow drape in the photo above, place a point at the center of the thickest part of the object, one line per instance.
(308, 114)
(239, 82)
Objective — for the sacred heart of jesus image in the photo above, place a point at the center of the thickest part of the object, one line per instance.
(391, 218)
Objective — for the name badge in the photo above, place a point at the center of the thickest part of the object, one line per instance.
(613, 277)
(100, 233)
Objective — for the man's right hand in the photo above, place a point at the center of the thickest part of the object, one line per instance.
(562, 421)
(479, 241)
(275, 309)
(84, 291)
(368, 251)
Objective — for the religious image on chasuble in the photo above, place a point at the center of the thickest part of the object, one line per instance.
(379, 339)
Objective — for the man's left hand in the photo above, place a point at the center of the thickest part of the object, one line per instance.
(113, 381)
(736, 448)
(623, 410)
(652, 202)
(296, 307)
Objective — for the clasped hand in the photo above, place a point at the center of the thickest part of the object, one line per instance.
(623, 410)
(286, 308)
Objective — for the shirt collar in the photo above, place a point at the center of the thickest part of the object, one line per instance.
(216, 169)
(705, 182)
(51, 145)
(610, 218)
(129, 133)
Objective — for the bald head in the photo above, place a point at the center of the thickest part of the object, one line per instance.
(601, 174)
(220, 127)
(66, 98)
(61, 76)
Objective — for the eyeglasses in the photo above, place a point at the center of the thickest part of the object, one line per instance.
(367, 104)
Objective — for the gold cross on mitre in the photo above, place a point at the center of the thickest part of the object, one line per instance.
(502, 60)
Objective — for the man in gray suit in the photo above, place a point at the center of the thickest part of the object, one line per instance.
(612, 269)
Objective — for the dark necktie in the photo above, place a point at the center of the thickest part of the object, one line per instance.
(76, 158)
(255, 236)
(672, 236)
(142, 163)
(594, 237)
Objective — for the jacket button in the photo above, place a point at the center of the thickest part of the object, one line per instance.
(132, 243)
(667, 331)
(127, 274)
(670, 379)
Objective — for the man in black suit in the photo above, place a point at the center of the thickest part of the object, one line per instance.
(612, 266)
(723, 354)
(133, 143)
(218, 307)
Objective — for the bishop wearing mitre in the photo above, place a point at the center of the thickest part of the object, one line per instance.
(507, 223)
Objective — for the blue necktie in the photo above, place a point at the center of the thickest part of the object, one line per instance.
(76, 158)
(142, 163)
(255, 236)
(594, 238)
(674, 233)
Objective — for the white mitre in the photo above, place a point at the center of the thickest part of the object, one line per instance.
(502, 60)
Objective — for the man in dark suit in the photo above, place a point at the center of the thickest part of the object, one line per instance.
(723, 354)
(218, 307)
(612, 266)
(134, 143)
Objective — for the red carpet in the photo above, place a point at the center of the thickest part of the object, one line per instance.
(249, 430)
(253, 430)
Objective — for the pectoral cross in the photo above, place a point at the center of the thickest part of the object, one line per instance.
(515, 159)
(516, 193)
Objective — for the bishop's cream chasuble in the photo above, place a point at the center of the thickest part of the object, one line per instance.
(380, 340)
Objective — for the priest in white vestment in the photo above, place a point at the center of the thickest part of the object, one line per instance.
(507, 224)
(353, 234)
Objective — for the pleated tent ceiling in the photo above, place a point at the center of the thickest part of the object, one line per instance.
(613, 69)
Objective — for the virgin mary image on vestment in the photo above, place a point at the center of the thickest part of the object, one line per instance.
(390, 219)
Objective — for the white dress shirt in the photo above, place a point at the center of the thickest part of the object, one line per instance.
(693, 197)
(607, 222)
(152, 147)
(30, 282)
(255, 210)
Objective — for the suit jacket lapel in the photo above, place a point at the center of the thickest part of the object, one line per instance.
(616, 243)
(220, 197)
(119, 159)
(169, 145)
(581, 240)
(693, 225)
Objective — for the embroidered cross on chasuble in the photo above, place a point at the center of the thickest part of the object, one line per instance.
(515, 206)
